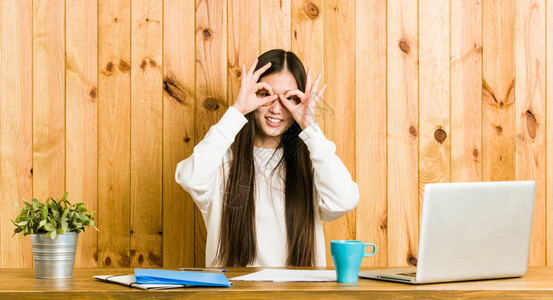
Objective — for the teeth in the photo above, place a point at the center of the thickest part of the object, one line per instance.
(274, 120)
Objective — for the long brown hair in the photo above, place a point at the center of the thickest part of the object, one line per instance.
(237, 243)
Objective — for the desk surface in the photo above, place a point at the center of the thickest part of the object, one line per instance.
(21, 283)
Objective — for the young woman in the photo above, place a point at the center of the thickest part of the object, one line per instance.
(265, 175)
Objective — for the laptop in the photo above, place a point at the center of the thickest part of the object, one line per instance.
(470, 231)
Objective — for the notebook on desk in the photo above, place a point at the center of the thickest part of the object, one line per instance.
(470, 231)
(164, 279)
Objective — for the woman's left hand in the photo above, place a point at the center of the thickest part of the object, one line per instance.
(303, 111)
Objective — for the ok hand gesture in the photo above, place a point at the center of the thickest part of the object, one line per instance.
(247, 100)
(304, 111)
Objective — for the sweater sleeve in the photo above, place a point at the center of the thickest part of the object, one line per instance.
(337, 193)
(198, 173)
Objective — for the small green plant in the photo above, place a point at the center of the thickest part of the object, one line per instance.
(53, 218)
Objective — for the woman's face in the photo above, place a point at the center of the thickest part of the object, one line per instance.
(273, 120)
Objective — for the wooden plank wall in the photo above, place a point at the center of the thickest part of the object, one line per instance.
(103, 98)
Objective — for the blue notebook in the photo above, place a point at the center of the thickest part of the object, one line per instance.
(156, 276)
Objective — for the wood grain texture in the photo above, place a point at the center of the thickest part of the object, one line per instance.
(48, 99)
(178, 130)
(403, 132)
(243, 41)
(81, 94)
(15, 126)
(370, 125)
(66, 111)
(211, 99)
(146, 133)
(339, 126)
(308, 43)
(275, 24)
(498, 95)
(434, 95)
(530, 112)
(549, 137)
(114, 129)
(466, 90)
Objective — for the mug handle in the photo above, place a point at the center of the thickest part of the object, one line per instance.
(369, 254)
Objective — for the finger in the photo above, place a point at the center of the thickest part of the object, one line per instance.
(252, 68)
(243, 72)
(264, 85)
(267, 101)
(308, 80)
(287, 104)
(298, 93)
(260, 71)
(319, 95)
(316, 84)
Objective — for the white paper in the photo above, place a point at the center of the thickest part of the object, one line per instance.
(130, 281)
(279, 275)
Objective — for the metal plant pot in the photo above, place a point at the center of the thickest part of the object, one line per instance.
(54, 258)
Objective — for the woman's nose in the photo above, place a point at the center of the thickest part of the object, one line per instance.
(276, 107)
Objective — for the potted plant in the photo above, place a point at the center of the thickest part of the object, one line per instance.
(54, 227)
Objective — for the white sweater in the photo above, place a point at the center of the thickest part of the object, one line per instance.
(201, 175)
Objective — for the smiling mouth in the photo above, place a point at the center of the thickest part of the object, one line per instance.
(273, 121)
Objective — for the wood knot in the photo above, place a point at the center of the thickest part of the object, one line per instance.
(143, 65)
(186, 139)
(153, 63)
(412, 261)
(475, 152)
(478, 48)
(147, 20)
(238, 73)
(440, 135)
(131, 232)
(207, 34)
(140, 259)
(211, 104)
(312, 10)
(109, 67)
(404, 46)
(31, 171)
(384, 224)
(107, 261)
(413, 131)
(336, 8)
(125, 260)
(531, 124)
(115, 20)
(155, 259)
(174, 90)
(93, 93)
(499, 129)
(124, 66)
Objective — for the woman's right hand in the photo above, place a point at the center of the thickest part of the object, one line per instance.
(247, 99)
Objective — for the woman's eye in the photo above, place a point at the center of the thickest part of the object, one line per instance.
(262, 93)
(294, 99)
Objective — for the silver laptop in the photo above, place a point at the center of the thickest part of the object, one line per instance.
(470, 231)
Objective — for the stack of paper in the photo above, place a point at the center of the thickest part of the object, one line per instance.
(279, 275)
(164, 279)
(155, 276)
(130, 281)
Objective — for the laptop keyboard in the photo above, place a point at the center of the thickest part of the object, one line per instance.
(413, 274)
